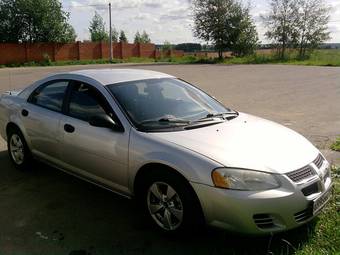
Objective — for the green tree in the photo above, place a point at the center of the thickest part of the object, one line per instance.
(138, 38)
(142, 38)
(189, 47)
(34, 21)
(70, 34)
(166, 45)
(145, 38)
(114, 35)
(280, 21)
(224, 23)
(97, 29)
(122, 37)
(311, 27)
(300, 24)
(247, 39)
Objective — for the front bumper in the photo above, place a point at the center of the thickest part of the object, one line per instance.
(263, 212)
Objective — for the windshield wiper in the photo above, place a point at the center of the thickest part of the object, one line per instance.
(166, 120)
(223, 115)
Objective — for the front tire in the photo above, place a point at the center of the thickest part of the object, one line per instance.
(18, 150)
(165, 206)
(170, 203)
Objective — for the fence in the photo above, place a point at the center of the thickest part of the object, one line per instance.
(16, 53)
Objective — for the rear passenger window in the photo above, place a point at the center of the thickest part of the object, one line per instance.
(50, 96)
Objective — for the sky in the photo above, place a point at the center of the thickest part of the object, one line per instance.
(164, 20)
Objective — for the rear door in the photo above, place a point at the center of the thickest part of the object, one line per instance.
(41, 116)
(99, 154)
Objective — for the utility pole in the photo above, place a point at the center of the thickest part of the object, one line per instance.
(111, 53)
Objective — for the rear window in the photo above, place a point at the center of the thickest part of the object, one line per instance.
(50, 96)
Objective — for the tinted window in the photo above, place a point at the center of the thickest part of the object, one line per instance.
(50, 96)
(85, 102)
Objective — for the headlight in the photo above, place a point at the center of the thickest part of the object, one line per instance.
(241, 179)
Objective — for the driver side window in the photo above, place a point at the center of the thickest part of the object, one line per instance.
(86, 102)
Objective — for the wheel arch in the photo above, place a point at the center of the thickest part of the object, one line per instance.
(150, 168)
(12, 125)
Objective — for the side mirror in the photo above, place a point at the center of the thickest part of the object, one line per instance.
(104, 122)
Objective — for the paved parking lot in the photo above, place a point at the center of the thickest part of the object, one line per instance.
(48, 212)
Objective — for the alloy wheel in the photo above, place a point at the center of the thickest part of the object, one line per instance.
(17, 149)
(165, 206)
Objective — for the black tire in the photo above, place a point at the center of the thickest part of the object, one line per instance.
(192, 217)
(26, 162)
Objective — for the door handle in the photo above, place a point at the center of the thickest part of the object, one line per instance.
(68, 128)
(24, 113)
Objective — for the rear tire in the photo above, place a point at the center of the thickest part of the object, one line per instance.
(170, 203)
(18, 150)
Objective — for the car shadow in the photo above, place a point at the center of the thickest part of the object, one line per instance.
(45, 211)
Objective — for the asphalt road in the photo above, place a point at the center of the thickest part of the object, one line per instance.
(48, 212)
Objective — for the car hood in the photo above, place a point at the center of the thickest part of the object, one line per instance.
(247, 142)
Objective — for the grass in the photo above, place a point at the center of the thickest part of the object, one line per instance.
(321, 58)
(316, 58)
(336, 145)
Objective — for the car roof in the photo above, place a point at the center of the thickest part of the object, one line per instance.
(112, 76)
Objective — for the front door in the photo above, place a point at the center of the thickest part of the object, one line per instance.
(99, 154)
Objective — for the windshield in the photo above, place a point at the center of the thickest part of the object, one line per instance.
(164, 103)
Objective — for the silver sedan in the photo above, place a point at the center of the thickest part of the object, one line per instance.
(188, 159)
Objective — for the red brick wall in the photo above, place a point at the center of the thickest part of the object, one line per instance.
(11, 53)
(116, 48)
(172, 53)
(68, 51)
(177, 53)
(129, 50)
(105, 50)
(89, 51)
(147, 50)
(39, 51)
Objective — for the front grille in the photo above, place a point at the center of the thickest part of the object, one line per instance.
(318, 161)
(264, 221)
(301, 174)
(303, 215)
(311, 189)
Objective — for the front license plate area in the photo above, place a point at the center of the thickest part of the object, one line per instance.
(320, 202)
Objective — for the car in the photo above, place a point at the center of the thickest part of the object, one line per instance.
(189, 160)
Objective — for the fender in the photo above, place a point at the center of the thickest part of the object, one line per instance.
(193, 166)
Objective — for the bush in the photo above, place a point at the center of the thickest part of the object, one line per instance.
(47, 60)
